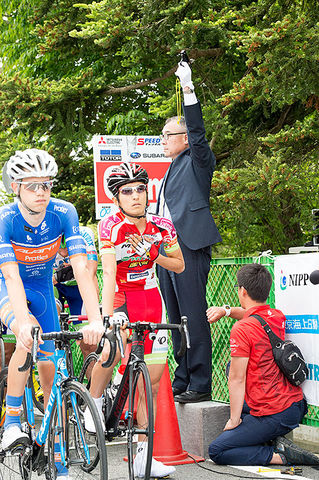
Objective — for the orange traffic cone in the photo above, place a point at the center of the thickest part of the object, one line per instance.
(167, 439)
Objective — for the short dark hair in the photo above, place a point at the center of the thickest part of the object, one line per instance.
(256, 279)
(182, 122)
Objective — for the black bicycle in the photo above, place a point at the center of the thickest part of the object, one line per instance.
(135, 387)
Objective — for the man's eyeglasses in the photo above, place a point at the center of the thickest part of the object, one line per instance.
(35, 186)
(165, 136)
(129, 190)
(237, 286)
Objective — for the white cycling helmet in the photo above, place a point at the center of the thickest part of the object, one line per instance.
(31, 163)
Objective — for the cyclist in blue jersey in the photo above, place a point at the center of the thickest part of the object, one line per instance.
(30, 234)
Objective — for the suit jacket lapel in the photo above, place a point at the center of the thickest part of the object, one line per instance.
(161, 200)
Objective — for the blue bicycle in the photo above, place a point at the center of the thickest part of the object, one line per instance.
(62, 424)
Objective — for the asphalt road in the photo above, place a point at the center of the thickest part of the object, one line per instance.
(202, 471)
(117, 469)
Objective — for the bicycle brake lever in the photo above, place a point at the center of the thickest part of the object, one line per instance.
(35, 346)
(106, 321)
(31, 357)
(106, 324)
(119, 339)
(112, 341)
(185, 328)
(185, 342)
(27, 363)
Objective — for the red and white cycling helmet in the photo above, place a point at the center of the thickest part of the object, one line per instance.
(123, 174)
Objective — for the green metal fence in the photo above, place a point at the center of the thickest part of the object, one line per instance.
(221, 290)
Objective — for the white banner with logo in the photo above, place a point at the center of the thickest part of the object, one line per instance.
(109, 150)
(298, 299)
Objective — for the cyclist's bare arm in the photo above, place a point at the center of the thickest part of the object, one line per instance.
(216, 313)
(109, 278)
(92, 266)
(174, 261)
(101, 376)
(22, 324)
(93, 332)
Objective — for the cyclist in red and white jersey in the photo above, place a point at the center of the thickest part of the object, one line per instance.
(30, 234)
(129, 248)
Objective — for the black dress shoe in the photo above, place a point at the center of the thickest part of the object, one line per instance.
(192, 397)
(293, 454)
(177, 391)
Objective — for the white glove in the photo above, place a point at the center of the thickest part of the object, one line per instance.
(184, 74)
(119, 317)
(144, 247)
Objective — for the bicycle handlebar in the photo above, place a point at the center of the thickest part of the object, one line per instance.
(64, 336)
(143, 327)
(114, 338)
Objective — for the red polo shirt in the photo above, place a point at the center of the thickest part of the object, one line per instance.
(267, 389)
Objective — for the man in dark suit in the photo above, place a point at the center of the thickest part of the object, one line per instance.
(184, 197)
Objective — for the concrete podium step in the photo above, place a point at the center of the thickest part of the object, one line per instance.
(200, 423)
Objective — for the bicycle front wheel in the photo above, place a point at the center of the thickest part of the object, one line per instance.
(141, 404)
(83, 451)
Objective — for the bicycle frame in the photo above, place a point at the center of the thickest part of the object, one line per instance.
(136, 355)
(60, 377)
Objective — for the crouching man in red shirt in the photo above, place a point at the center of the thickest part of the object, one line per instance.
(253, 435)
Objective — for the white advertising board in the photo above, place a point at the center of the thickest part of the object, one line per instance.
(298, 299)
(109, 150)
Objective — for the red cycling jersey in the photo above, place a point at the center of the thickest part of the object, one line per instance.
(137, 293)
(135, 272)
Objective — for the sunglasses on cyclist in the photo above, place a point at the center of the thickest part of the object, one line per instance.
(129, 190)
(35, 186)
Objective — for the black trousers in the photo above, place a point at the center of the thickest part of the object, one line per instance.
(185, 294)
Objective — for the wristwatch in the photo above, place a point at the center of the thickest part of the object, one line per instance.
(227, 309)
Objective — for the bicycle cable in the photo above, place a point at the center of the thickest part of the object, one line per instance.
(229, 474)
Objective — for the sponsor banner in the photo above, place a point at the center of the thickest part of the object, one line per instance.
(109, 150)
(298, 299)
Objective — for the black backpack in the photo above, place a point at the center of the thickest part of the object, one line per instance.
(287, 356)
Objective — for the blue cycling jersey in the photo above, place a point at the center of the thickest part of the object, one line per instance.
(35, 249)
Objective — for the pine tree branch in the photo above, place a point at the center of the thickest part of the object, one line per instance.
(135, 86)
(281, 120)
(194, 53)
